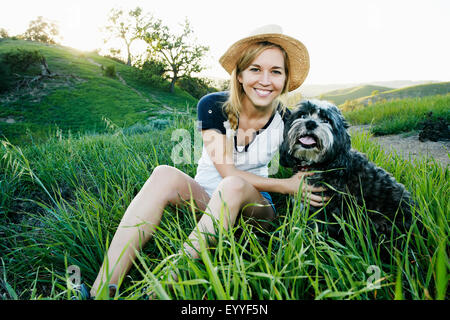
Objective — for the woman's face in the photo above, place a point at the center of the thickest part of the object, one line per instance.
(263, 80)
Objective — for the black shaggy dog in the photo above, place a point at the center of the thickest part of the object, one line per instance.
(316, 139)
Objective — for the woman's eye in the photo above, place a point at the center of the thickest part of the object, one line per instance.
(254, 69)
(276, 72)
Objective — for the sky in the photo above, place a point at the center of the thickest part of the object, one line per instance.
(349, 41)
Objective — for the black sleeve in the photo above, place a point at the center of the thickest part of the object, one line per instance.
(209, 112)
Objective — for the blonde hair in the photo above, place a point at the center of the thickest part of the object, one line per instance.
(233, 105)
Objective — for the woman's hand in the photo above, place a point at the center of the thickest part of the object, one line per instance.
(293, 184)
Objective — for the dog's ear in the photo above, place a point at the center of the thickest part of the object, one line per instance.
(340, 116)
(286, 160)
(346, 125)
(286, 117)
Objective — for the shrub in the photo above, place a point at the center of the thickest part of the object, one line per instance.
(17, 63)
(139, 128)
(20, 60)
(151, 72)
(158, 82)
(153, 67)
(5, 78)
(110, 71)
(159, 124)
(116, 59)
(196, 87)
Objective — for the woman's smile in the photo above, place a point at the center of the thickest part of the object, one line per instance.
(263, 92)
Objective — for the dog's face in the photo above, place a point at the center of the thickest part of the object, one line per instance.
(316, 132)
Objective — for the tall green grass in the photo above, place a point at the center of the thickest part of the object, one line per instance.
(61, 203)
(403, 115)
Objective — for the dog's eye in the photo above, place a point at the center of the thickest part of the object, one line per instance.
(325, 120)
(303, 116)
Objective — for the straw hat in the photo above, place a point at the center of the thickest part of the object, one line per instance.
(296, 51)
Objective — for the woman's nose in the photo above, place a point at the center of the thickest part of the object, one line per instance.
(265, 78)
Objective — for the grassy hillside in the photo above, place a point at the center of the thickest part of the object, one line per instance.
(81, 96)
(340, 96)
(408, 92)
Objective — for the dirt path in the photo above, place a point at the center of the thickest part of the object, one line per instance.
(411, 146)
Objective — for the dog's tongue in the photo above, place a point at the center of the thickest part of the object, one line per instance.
(307, 140)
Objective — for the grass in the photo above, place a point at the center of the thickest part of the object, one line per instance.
(403, 115)
(61, 202)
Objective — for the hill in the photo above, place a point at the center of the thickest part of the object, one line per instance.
(341, 95)
(81, 96)
(423, 90)
(315, 90)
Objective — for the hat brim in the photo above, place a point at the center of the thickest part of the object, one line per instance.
(296, 51)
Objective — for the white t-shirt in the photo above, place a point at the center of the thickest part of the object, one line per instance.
(254, 157)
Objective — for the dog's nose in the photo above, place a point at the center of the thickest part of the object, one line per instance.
(311, 125)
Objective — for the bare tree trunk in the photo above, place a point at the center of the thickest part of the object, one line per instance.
(129, 55)
(172, 85)
(44, 67)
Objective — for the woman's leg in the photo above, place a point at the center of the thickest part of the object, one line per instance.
(236, 193)
(166, 185)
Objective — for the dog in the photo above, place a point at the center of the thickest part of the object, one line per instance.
(316, 139)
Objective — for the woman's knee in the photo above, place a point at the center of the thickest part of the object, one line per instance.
(233, 187)
(162, 171)
(164, 180)
(172, 184)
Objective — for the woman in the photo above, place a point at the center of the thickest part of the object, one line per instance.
(241, 132)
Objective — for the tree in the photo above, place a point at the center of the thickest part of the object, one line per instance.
(42, 31)
(127, 27)
(3, 33)
(179, 53)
